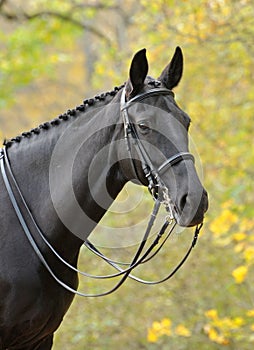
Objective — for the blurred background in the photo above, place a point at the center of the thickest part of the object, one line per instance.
(54, 54)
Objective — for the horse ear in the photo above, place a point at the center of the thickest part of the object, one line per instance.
(172, 74)
(138, 72)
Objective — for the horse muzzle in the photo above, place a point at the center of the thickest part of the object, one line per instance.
(191, 208)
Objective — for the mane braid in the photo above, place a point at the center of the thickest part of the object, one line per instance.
(62, 117)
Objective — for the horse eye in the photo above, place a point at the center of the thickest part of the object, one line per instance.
(143, 127)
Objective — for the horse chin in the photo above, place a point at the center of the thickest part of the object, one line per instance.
(185, 219)
(181, 221)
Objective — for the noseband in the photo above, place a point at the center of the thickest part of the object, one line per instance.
(155, 184)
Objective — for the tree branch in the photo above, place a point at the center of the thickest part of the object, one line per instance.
(68, 18)
(62, 16)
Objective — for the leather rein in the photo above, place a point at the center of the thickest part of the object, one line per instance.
(155, 186)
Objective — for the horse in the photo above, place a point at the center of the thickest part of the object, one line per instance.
(60, 178)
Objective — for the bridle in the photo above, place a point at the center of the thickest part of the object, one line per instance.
(153, 175)
(155, 185)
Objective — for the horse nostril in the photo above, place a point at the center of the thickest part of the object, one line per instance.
(183, 202)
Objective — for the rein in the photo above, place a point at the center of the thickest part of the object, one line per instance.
(155, 184)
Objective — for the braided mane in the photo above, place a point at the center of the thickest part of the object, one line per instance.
(62, 117)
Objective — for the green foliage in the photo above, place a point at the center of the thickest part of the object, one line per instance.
(32, 49)
(209, 303)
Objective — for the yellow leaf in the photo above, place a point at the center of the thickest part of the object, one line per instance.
(250, 313)
(166, 331)
(246, 224)
(156, 326)
(158, 329)
(239, 247)
(239, 236)
(182, 331)
(238, 322)
(223, 223)
(212, 314)
(152, 337)
(214, 336)
(166, 322)
(240, 273)
(249, 254)
(222, 340)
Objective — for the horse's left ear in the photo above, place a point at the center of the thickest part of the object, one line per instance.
(172, 74)
(138, 72)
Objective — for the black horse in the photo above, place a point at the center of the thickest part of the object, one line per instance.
(69, 171)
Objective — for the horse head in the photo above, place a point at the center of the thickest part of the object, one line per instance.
(156, 130)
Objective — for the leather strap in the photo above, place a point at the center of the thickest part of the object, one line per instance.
(174, 160)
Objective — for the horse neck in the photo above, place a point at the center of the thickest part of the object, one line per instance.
(65, 175)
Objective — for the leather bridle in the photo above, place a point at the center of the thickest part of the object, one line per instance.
(143, 253)
(152, 174)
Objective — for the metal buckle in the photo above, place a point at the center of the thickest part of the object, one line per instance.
(170, 218)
